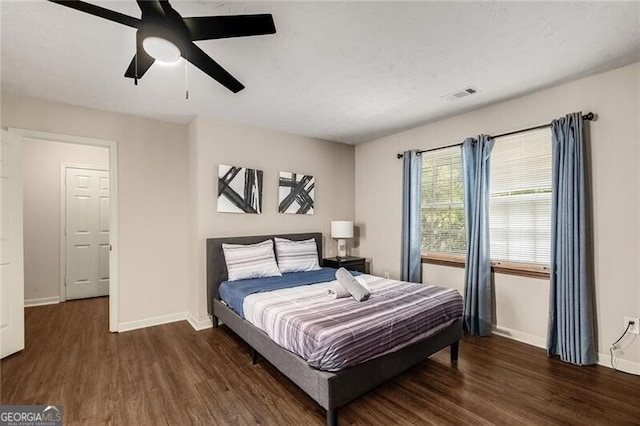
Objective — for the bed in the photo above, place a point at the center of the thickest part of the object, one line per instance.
(330, 389)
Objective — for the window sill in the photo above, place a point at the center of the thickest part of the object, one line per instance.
(529, 270)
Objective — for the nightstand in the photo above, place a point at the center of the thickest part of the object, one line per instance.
(351, 263)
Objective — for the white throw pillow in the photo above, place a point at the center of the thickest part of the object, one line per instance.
(250, 260)
(297, 256)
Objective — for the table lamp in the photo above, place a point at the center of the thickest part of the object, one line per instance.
(340, 230)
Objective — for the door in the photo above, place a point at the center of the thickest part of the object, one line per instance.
(86, 233)
(11, 254)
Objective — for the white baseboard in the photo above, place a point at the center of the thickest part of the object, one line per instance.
(150, 322)
(166, 319)
(621, 364)
(540, 342)
(42, 301)
(519, 336)
(199, 324)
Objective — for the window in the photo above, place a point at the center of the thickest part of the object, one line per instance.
(519, 208)
(520, 204)
(442, 202)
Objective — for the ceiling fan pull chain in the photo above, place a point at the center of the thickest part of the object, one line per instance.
(186, 79)
(135, 74)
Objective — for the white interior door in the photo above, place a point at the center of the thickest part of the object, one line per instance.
(11, 253)
(87, 233)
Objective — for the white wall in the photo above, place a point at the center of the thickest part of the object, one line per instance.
(213, 142)
(41, 194)
(153, 198)
(522, 304)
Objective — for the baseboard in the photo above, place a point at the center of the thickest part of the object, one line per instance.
(621, 364)
(519, 336)
(540, 342)
(166, 319)
(150, 322)
(199, 324)
(42, 301)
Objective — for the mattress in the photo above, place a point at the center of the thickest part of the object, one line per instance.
(333, 334)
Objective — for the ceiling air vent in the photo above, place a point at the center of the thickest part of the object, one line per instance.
(467, 91)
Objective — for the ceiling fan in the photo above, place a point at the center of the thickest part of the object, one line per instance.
(166, 36)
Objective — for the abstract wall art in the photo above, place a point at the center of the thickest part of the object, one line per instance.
(296, 193)
(239, 190)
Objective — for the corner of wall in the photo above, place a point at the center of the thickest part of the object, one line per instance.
(193, 305)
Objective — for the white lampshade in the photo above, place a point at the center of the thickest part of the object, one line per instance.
(342, 229)
(161, 49)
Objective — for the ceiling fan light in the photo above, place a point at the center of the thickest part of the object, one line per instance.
(161, 49)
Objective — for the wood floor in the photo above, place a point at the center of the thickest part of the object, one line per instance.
(172, 375)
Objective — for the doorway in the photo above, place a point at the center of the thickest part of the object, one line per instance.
(109, 249)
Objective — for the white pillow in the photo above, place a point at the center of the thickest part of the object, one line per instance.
(297, 256)
(250, 261)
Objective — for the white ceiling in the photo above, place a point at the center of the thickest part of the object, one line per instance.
(341, 71)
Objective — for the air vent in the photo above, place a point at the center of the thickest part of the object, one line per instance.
(467, 91)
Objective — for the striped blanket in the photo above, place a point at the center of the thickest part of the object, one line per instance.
(333, 334)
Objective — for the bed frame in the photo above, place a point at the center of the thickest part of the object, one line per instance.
(330, 390)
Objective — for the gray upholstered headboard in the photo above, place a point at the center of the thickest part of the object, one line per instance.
(217, 268)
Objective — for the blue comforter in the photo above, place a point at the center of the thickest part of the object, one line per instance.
(234, 292)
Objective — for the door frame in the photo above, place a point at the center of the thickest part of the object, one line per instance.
(63, 221)
(113, 206)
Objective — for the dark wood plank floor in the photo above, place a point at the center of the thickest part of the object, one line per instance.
(172, 375)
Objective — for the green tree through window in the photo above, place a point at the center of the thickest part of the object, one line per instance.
(442, 202)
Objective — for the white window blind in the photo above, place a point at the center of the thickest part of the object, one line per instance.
(442, 202)
(520, 204)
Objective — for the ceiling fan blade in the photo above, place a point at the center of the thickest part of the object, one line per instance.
(175, 19)
(169, 11)
(200, 59)
(144, 61)
(214, 27)
(100, 12)
(150, 7)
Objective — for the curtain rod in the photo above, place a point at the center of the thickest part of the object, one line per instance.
(588, 116)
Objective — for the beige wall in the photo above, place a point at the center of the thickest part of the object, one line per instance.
(41, 162)
(517, 303)
(522, 304)
(214, 142)
(153, 198)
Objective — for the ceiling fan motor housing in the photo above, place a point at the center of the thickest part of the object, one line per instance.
(168, 26)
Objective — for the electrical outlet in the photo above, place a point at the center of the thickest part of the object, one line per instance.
(386, 274)
(635, 327)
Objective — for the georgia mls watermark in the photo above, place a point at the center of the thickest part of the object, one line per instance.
(30, 415)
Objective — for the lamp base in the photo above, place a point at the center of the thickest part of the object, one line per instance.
(342, 247)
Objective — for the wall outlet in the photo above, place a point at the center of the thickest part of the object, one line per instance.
(386, 274)
(635, 328)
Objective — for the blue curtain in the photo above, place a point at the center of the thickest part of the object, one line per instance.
(411, 233)
(571, 321)
(476, 154)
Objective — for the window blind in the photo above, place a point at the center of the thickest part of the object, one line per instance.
(442, 202)
(520, 203)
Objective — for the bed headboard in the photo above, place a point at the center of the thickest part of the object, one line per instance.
(217, 268)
